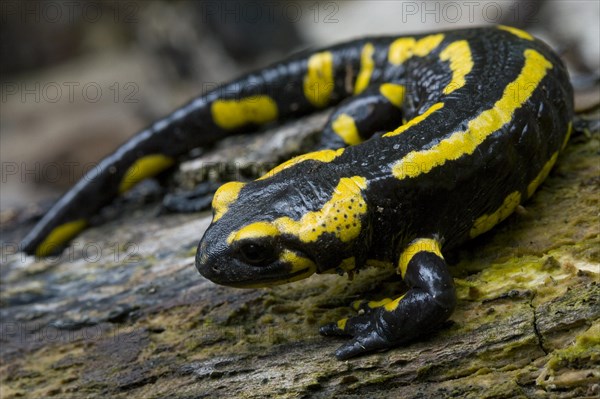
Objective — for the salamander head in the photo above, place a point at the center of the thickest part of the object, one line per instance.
(244, 246)
(284, 227)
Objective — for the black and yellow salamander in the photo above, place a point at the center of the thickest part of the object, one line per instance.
(435, 139)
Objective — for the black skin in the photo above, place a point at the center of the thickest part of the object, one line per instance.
(443, 203)
(427, 304)
(371, 111)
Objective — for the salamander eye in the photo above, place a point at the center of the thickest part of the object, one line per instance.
(257, 254)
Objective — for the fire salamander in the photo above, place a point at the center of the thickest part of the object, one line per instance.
(434, 139)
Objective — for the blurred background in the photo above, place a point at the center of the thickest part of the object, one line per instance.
(80, 76)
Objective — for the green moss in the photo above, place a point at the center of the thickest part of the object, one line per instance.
(516, 274)
(585, 352)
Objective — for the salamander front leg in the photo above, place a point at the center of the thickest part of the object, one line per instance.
(389, 323)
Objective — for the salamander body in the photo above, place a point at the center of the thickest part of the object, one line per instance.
(434, 140)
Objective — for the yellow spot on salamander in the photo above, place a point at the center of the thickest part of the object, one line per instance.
(542, 175)
(486, 222)
(356, 305)
(298, 263)
(366, 68)
(481, 127)
(59, 236)
(392, 305)
(225, 195)
(143, 168)
(567, 136)
(321, 156)
(318, 82)
(517, 32)
(376, 304)
(406, 47)
(394, 93)
(340, 216)
(419, 245)
(232, 114)
(461, 63)
(416, 120)
(345, 127)
(254, 230)
(341, 324)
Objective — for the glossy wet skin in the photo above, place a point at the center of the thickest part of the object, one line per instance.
(411, 182)
(248, 264)
(251, 262)
(265, 259)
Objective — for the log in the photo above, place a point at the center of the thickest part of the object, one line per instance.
(123, 312)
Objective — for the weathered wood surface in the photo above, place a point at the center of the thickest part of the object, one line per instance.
(125, 314)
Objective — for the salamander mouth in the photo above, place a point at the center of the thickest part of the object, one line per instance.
(270, 280)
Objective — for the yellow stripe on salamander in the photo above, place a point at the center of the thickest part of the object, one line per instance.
(318, 82)
(487, 122)
(356, 305)
(225, 195)
(517, 32)
(542, 175)
(391, 306)
(298, 263)
(406, 47)
(461, 63)
(321, 156)
(253, 230)
(345, 127)
(487, 221)
(366, 68)
(393, 92)
(416, 120)
(143, 168)
(376, 304)
(60, 236)
(419, 245)
(232, 114)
